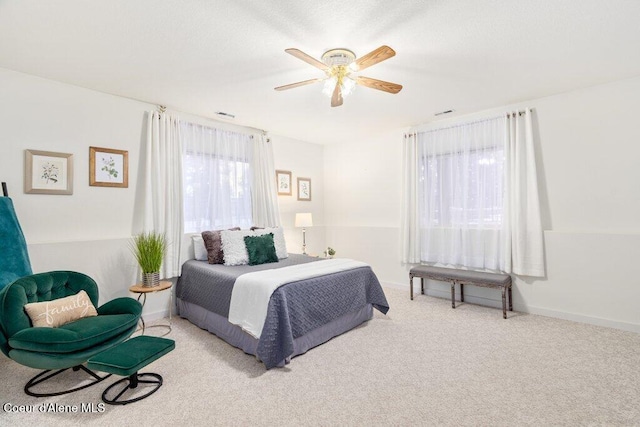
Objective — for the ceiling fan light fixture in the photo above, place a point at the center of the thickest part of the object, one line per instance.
(339, 66)
(339, 62)
(347, 86)
(337, 57)
(328, 86)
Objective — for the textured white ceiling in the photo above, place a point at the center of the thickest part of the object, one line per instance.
(203, 56)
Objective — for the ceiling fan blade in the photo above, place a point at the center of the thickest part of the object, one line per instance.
(298, 84)
(373, 57)
(336, 99)
(306, 58)
(378, 84)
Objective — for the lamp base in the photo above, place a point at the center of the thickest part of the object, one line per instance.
(304, 241)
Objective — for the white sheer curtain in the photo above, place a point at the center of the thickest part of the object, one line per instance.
(163, 187)
(410, 240)
(473, 190)
(460, 195)
(522, 205)
(217, 178)
(264, 195)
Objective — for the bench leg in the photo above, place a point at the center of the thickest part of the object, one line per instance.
(461, 292)
(453, 294)
(422, 285)
(504, 303)
(411, 287)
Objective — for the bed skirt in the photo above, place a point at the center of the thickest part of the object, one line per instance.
(235, 336)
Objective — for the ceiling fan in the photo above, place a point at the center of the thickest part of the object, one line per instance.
(339, 65)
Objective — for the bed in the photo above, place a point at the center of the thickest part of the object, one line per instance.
(300, 315)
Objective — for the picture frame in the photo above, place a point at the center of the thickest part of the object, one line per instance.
(48, 172)
(283, 182)
(304, 189)
(108, 167)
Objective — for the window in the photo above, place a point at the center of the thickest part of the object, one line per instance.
(461, 195)
(470, 196)
(463, 189)
(217, 179)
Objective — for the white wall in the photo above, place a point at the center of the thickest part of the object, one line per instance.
(588, 152)
(89, 230)
(588, 155)
(303, 160)
(363, 202)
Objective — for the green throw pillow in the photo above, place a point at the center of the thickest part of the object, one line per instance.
(261, 249)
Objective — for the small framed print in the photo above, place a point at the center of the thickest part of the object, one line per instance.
(108, 167)
(46, 172)
(304, 189)
(283, 180)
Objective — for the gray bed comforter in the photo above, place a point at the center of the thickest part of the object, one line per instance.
(294, 309)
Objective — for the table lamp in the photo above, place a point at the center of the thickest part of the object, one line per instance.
(304, 220)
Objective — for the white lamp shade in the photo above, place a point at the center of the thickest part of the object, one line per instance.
(304, 220)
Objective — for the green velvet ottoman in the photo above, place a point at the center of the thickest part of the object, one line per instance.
(126, 360)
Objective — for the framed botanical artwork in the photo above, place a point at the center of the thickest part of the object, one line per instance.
(46, 172)
(283, 180)
(108, 167)
(304, 189)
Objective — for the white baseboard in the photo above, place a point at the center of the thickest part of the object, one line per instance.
(615, 324)
(497, 303)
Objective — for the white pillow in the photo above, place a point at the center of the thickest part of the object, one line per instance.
(278, 240)
(235, 251)
(199, 249)
(233, 247)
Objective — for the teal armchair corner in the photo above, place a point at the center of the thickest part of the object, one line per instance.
(67, 346)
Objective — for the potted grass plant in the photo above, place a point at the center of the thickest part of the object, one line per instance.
(149, 249)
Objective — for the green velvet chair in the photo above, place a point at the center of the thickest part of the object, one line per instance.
(68, 346)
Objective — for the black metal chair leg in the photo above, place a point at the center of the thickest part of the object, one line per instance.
(42, 377)
(131, 382)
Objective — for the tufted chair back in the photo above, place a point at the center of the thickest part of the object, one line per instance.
(14, 261)
(37, 288)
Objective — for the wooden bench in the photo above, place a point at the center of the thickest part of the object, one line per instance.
(464, 277)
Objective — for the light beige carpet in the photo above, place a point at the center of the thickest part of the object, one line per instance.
(423, 364)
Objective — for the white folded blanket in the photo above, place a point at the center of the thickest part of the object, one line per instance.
(252, 291)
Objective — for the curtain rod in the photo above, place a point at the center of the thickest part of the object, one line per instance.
(520, 112)
(163, 109)
(464, 123)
